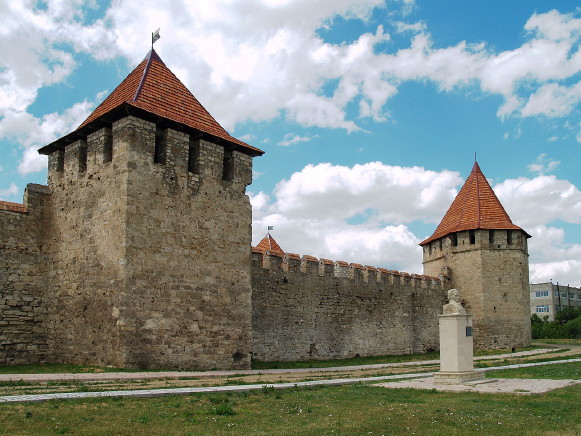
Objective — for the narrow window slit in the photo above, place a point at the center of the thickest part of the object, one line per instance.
(228, 166)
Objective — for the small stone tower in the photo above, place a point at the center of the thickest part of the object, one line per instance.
(484, 255)
(149, 237)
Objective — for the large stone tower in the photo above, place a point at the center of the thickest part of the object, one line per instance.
(484, 255)
(149, 239)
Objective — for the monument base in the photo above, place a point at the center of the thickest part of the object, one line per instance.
(456, 378)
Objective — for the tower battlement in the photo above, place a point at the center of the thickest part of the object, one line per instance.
(291, 263)
(182, 161)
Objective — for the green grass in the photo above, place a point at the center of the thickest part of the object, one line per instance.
(341, 410)
(576, 342)
(508, 361)
(554, 372)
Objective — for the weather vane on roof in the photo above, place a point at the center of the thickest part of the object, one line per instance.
(154, 37)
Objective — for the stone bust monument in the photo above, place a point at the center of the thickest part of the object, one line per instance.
(454, 307)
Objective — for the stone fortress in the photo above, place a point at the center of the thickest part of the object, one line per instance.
(138, 254)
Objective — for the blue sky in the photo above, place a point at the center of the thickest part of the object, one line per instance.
(369, 111)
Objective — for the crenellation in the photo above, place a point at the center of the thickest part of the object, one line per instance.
(309, 265)
(99, 149)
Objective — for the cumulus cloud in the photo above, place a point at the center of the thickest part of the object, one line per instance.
(540, 200)
(552, 258)
(357, 214)
(270, 60)
(32, 132)
(38, 43)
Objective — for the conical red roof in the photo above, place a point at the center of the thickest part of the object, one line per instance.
(152, 88)
(269, 244)
(475, 207)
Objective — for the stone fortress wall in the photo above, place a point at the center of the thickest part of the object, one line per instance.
(138, 254)
(126, 261)
(23, 275)
(308, 308)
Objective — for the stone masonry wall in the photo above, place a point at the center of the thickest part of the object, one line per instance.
(187, 302)
(86, 249)
(149, 250)
(22, 277)
(304, 308)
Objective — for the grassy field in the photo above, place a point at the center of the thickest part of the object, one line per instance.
(346, 410)
(359, 409)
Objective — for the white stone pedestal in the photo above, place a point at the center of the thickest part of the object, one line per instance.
(456, 350)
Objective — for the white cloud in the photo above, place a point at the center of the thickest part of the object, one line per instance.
(8, 192)
(32, 133)
(540, 201)
(356, 214)
(270, 60)
(291, 139)
(543, 164)
(553, 259)
(552, 100)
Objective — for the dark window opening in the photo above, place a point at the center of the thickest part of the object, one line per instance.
(108, 147)
(60, 161)
(509, 237)
(491, 236)
(160, 147)
(472, 235)
(454, 238)
(228, 166)
(194, 156)
(83, 156)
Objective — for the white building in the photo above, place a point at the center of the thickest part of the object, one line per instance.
(548, 299)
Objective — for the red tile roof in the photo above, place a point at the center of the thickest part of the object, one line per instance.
(269, 244)
(153, 88)
(475, 207)
(13, 207)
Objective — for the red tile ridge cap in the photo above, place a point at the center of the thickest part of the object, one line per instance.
(13, 207)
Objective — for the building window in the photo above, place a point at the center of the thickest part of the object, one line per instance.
(491, 236)
(472, 235)
(556, 293)
(539, 294)
(509, 237)
(542, 309)
(557, 308)
(228, 166)
(108, 147)
(83, 156)
(454, 238)
(564, 295)
(194, 157)
(160, 147)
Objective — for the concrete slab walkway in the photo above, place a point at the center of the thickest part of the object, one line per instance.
(239, 388)
(106, 376)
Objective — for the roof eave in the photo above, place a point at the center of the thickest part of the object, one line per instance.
(127, 108)
(435, 238)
